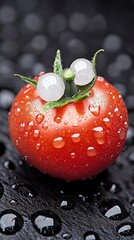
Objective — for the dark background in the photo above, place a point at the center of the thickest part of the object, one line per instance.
(30, 33)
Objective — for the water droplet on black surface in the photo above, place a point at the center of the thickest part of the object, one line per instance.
(66, 235)
(10, 222)
(113, 209)
(9, 165)
(67, 204)
(91, 236)
(112, 187)
(46, 223)
(126, 229)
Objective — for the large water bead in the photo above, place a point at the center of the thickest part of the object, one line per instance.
(84, 77)
(50, 87)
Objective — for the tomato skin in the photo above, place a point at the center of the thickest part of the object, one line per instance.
(76, 141)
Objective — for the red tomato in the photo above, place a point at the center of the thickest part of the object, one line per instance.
(76, 141)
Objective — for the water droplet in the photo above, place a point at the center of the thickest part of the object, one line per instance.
(10, 222)
(126, 229)
(126, 124)
(45, 126)
(91, 152)
(116, 111)
(46, 223)
(38, 146)
(67, 204)
(57, 119)
(17, 111)
(21, 127)
(17, 142)
(73, 155)
(113, 209)
(107, 122)
(132, 203)
(58, 142)
(99, 135)
(66, 235)
(122, 133)
(112, 187)
(75, 125)
(91, 236)
(39, 118)
(30, 125)
(110, 114)
(26, 134)
(95, 110)
(100, 79)
(24, 189)
(36, 133)
(76, 137)
(65, 122)
(13, 202)
(9, 165)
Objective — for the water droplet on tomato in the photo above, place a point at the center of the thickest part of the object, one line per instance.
(57, 119)
(39, 118)
(10, 222)
(126, 229)
(17, 111)
(45, 126)
(30, 125)
(91, 152)
(99, 135)
(75, 125)
(76, 137)
(26, 134)
(65, 122)
(95, 110)
(58, 142)
(21, 127)
(122, 133)
(46, 223)
(36, 133)
(38, 146)
(73, 155)
(100, 79)
(116, 111)
(110, 114)
(17, 142)
(107, 122)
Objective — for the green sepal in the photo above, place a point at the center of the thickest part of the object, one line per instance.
(57, 68)
(28, 80)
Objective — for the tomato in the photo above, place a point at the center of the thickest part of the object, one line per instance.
(75, 141)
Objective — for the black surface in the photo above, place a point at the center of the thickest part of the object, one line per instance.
(31, 32)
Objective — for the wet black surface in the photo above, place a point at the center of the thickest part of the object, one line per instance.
(34, 205)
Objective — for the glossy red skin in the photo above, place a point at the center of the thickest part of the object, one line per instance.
(71, 161)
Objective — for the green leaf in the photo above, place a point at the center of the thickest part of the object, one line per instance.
(57, 63)
(28, 80)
